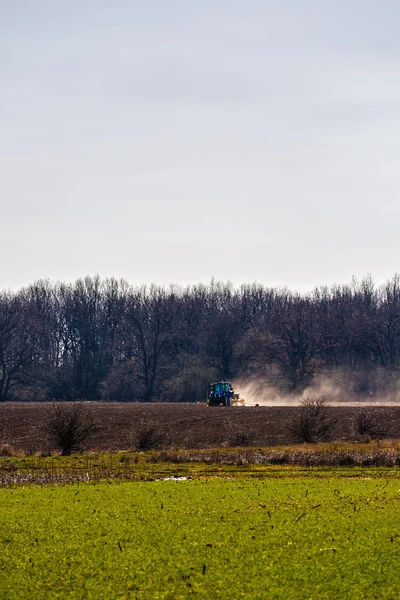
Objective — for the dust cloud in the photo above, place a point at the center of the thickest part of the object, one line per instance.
(336, 390)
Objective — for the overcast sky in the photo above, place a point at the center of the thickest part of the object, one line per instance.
(170, 141)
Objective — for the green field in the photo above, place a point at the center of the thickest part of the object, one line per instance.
(290, 537)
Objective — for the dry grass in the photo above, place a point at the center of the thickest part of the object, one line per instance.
(305, 460)
(303, 456)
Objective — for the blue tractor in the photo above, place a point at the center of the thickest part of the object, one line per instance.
(221, 394)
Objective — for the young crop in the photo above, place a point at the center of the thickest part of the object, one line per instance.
(247, 538)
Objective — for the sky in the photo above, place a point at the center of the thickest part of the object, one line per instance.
(173, 141)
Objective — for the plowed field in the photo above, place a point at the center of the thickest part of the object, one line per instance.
(179, 425)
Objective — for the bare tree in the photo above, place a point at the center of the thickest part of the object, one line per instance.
(151, 324)
(103, 339)
(17, 343)
(294, 340)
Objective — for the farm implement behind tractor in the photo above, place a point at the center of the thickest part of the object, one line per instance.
(222, 394)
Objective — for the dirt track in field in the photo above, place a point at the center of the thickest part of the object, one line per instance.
(179, 425)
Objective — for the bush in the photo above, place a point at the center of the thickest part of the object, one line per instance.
(279, 459)
(239, 437)
(6, 450)
(148, 437)
(367, 422)
(312, 423)
(69, 424)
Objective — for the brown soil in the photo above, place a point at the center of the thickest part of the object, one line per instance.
(180, 425)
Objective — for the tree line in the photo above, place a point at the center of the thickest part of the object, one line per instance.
(103, 339)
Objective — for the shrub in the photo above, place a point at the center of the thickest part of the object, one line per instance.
(279, 459)
(312, 423)
(6, 450)
(69, 424)
(346, 459)
(367, 422)
(239, 437)
(148, 437)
